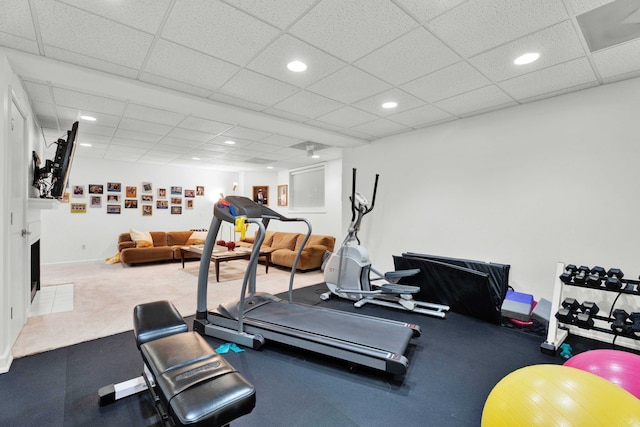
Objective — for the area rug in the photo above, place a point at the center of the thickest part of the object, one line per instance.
(105, 294)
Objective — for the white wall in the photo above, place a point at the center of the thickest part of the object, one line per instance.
(75, 237)
(554, 180)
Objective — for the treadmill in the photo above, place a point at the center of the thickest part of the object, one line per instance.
(257, 317)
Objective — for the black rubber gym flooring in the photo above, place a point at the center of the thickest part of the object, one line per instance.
(452, 368)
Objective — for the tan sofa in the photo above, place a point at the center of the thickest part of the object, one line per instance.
(284, 246)
(166, 247)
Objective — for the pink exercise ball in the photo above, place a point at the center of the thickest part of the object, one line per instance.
(616, 366)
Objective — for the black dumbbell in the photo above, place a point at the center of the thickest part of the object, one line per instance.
(596, 277)
(634, 328)
(569, 272)
(567, 313)
(581, 275)
(613, 283)
(585, 319)
(619, 324)
(615, 272)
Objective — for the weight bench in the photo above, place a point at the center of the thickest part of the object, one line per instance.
(190, 383)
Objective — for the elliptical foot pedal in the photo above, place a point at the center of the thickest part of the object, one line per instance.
(393, 288)
(394, 276)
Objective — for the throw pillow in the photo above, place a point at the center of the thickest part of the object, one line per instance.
(197, 238)
(142, 239)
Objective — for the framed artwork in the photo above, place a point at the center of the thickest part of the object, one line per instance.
(162, 204)
(199, 190)
(113, 209)
(78, 208)
(146, 187)
(96, 201)
(261, 194)
(189, 193)
(132, 192)
(162, 193)
(65, 197)
(176, 190)
(283, 195)
(131, 203)
(146, 198)
(78, 191)
(113, 198)
(176, 210)
(96, 189)
(147, 210)
(188, 204)
(114, 187)
(176, 200)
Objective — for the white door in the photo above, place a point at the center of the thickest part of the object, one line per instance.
(19, 285)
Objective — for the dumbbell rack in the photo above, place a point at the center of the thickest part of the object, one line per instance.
(558, 332)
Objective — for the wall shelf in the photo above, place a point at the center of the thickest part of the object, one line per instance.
(33, 203)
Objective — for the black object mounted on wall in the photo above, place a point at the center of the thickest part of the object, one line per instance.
(51, 179)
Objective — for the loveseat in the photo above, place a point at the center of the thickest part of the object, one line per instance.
(137, 247)
(284, 246)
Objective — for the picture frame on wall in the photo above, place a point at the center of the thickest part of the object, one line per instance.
(147, 187)
(261, 194)
(114, 187)
(65, 197)
(176, 190)
(113, 209)
(188, 203)
(96, 189)
(162, 193)
(199, 190)
(131, 203)
(283, 195)
(78, 191)
(176, 210)
(96, 201)
(131, 192)
(189, 193)
(146, 198)
(147, 210)
(162, 204)
(113, 198)
(78, 208)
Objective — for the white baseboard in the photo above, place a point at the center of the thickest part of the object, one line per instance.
(5, 361)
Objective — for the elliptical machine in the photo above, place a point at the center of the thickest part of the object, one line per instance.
(347, 272)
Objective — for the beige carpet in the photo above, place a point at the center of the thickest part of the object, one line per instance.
(105, 294)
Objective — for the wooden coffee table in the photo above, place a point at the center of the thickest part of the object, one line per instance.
(218, 257)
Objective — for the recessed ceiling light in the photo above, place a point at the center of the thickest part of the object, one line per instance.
(85, 144)
(297, 66)
(269, 167)
(315, 156)
(527, 58)
(390, 105)
(195, 158)
(88, 118)
(230, 142)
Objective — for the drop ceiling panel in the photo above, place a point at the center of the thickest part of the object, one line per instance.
(349, 85)
(308, 104)
(573, 73)
(280, 13)
(19, 43)
(154, 115)
(347, 117)
(139, 136)
(618, 60)
(89, 62)
(17, 19)
(39, 92)
(556, 44)
(482, 99)
(380, 128)
(420, 116)
(408, 57)
(360, 26)
(374, 104)
(145, 15)
(189, 66)
(427, 10)
(175, 85)
(70, 115)
(257, 88)
(218, 29)
(273, 60)
(204, 125)
(582, 6)
(143, 126)
(246, 133)
(232, 100)
(92, 35)
(479, 25)
(79, 100)
(122, 142)
(450, 81)
(192, 135)
(93, 129)
(281, 140)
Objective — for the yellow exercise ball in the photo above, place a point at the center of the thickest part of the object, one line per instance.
(556, 395)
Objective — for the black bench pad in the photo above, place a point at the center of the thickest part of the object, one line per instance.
(155, 320)
(196, 384)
